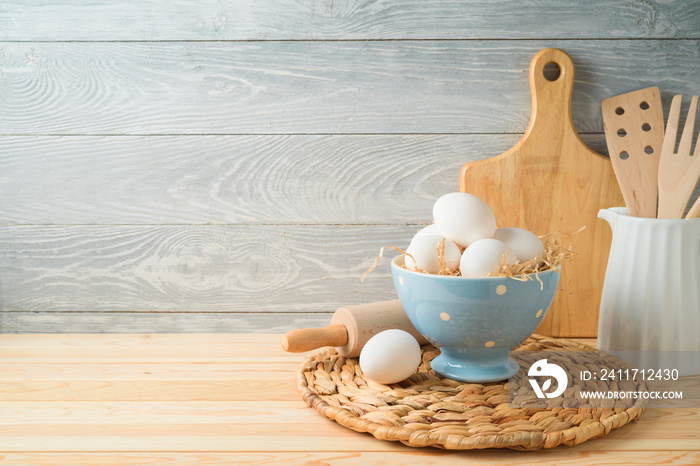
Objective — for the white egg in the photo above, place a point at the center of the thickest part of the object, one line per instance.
(524, 244)
(390, 356)
(424, 251)
(483, 257)
(464, 218)
(431, 229)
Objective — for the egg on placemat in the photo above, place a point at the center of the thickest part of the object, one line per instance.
(464, 218)
(390, 356)
(424, 250)
(485, 256)
(524, 244)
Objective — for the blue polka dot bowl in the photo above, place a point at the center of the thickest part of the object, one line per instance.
(475, 322)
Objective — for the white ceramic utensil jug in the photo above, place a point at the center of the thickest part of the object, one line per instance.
(650, 307)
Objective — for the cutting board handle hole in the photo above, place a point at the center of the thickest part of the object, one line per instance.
(644, 106)
(619, 111)
(551, 71)
(621, 133)
(646, 127)
(624, 155)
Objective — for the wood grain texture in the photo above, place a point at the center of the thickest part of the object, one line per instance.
(196, 167)
(163, 371)
(207, 268)
(300, 179)
(137, 391)
(312, 87)
(345, 19)
(351, 458)
(156, 340)
(133, 279)
(153, 322)
(225, 399)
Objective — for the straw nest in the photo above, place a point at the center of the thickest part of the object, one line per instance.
(554, 255)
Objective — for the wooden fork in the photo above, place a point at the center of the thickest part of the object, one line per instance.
(679, 171)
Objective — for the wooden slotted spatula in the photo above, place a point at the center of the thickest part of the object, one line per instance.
(678, 171)
(634, 131)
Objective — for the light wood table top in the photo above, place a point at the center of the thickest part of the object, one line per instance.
(231, 399)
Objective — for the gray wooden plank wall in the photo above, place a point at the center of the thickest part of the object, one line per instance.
(234, 166)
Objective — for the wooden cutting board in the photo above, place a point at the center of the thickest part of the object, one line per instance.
(551, 182)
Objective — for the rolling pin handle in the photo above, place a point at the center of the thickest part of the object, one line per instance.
(307, 339)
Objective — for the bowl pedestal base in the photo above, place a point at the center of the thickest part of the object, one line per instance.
(475, 365)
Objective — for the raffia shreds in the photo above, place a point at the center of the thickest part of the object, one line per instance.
(444, 269)
(440, 246)
(554, 256)
(379, 257)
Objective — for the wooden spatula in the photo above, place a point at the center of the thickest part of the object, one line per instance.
(634, 131)
(678, 171)
(551, 182)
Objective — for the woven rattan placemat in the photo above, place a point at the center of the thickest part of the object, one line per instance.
(428, 410)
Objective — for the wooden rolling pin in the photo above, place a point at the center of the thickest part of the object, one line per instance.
(351, 327)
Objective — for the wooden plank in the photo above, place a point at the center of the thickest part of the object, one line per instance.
(119, 349)
(413, 456)
(104, 354)
(290, 20)
(312, 87)
(211, 371)
(224, 268)
(245, 389)
(170, 322)
(175, 438)
(123, 413)
(199, 177)
(144, 341)
(199, 439)
(105, 415)
(180, 323)
(334, 179)
(111, 425)
(75, 356)
(274, 413)
(155, 340)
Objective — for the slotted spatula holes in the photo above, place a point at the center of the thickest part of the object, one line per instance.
(646, 127)
(634, 134)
